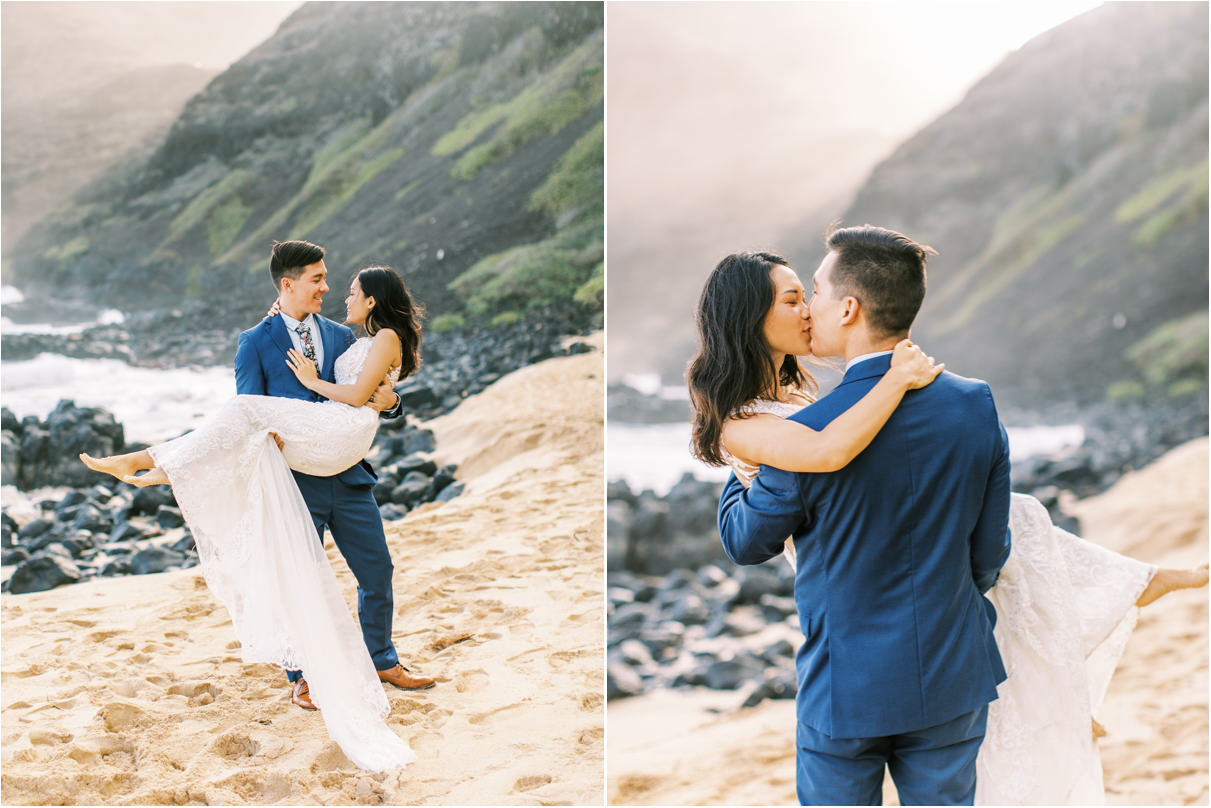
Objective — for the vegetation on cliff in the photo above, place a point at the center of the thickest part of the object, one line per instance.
(1067, 196)
(460, 143)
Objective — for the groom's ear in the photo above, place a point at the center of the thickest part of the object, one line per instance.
(849, 314)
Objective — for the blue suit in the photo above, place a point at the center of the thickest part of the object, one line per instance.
(343, 504)
(894, 554)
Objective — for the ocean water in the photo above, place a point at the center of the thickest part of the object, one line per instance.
(655, 456)
(152, 404)
(77, 320)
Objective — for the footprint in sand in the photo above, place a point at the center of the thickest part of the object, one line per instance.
(633, 785)
(119, 715)
(331, 759)
(37, 669)
(112, 749)
(493, 716)
(447, 640)
(471, 681)
(589, 615)
(253, 787)
(560, 659)
(532, 782)
(198, 693)
(524, 656)
(126, 687)
(413, 712)
(44, 736)
(234, 746)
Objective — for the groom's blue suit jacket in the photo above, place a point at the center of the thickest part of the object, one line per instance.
(261, 370)
(894, 554)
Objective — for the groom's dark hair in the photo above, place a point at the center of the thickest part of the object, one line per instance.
(884, 270)
(289, 257)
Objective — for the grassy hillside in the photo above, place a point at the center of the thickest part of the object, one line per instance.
(459, 143)
(1067, 197)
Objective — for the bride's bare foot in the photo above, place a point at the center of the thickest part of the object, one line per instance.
(154, 477)
(1098, 730)
(1169, 580)
(120, 466)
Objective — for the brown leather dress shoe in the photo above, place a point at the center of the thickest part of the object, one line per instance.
(400, 677)
(302, 695)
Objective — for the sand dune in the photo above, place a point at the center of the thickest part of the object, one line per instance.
(132, 691)
(697, 748)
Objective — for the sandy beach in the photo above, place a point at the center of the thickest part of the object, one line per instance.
(132, 690)
(698, 748)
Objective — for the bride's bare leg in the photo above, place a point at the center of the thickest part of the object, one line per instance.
(1169, 580)
(119, 466)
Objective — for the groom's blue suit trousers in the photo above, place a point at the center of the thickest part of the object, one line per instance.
(357, 528)
(933, 766)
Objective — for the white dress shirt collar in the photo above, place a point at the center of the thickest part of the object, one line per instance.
(863, 358)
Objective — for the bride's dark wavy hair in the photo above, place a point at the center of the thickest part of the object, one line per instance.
(733, 365)
(394, 308)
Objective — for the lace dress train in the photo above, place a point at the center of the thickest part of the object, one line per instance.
(1065, 610)
(261, 555)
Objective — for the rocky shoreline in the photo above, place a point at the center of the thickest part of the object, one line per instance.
(681, 615)
(456, 363)
(101, 527)
(89, 525)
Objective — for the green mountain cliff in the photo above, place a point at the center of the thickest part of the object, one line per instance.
(460, 143)
(1067, 197)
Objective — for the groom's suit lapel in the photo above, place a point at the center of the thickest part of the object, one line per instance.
(328, 337)
(279, 335)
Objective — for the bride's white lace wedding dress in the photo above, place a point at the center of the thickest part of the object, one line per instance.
(1065, 609)
(262, 557)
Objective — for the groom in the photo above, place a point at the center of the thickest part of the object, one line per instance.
(343, 503)
(894, 551)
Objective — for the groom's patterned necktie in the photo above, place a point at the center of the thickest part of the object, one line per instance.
(305, 337)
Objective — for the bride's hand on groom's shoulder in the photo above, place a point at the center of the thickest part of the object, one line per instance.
(273, 310)
(913, 366)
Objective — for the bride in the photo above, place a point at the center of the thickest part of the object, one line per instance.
(258, 546)
(1065, 606)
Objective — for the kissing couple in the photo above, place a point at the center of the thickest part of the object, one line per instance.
(260, 480)
(952, 634)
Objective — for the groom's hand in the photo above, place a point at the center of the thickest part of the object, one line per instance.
(383, 398)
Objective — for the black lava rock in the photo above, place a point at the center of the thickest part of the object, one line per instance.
(14, 556)
(450, 492)
(154, 559)
(33, 529)
(43, 572)
(169, 517)
(147, 501)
